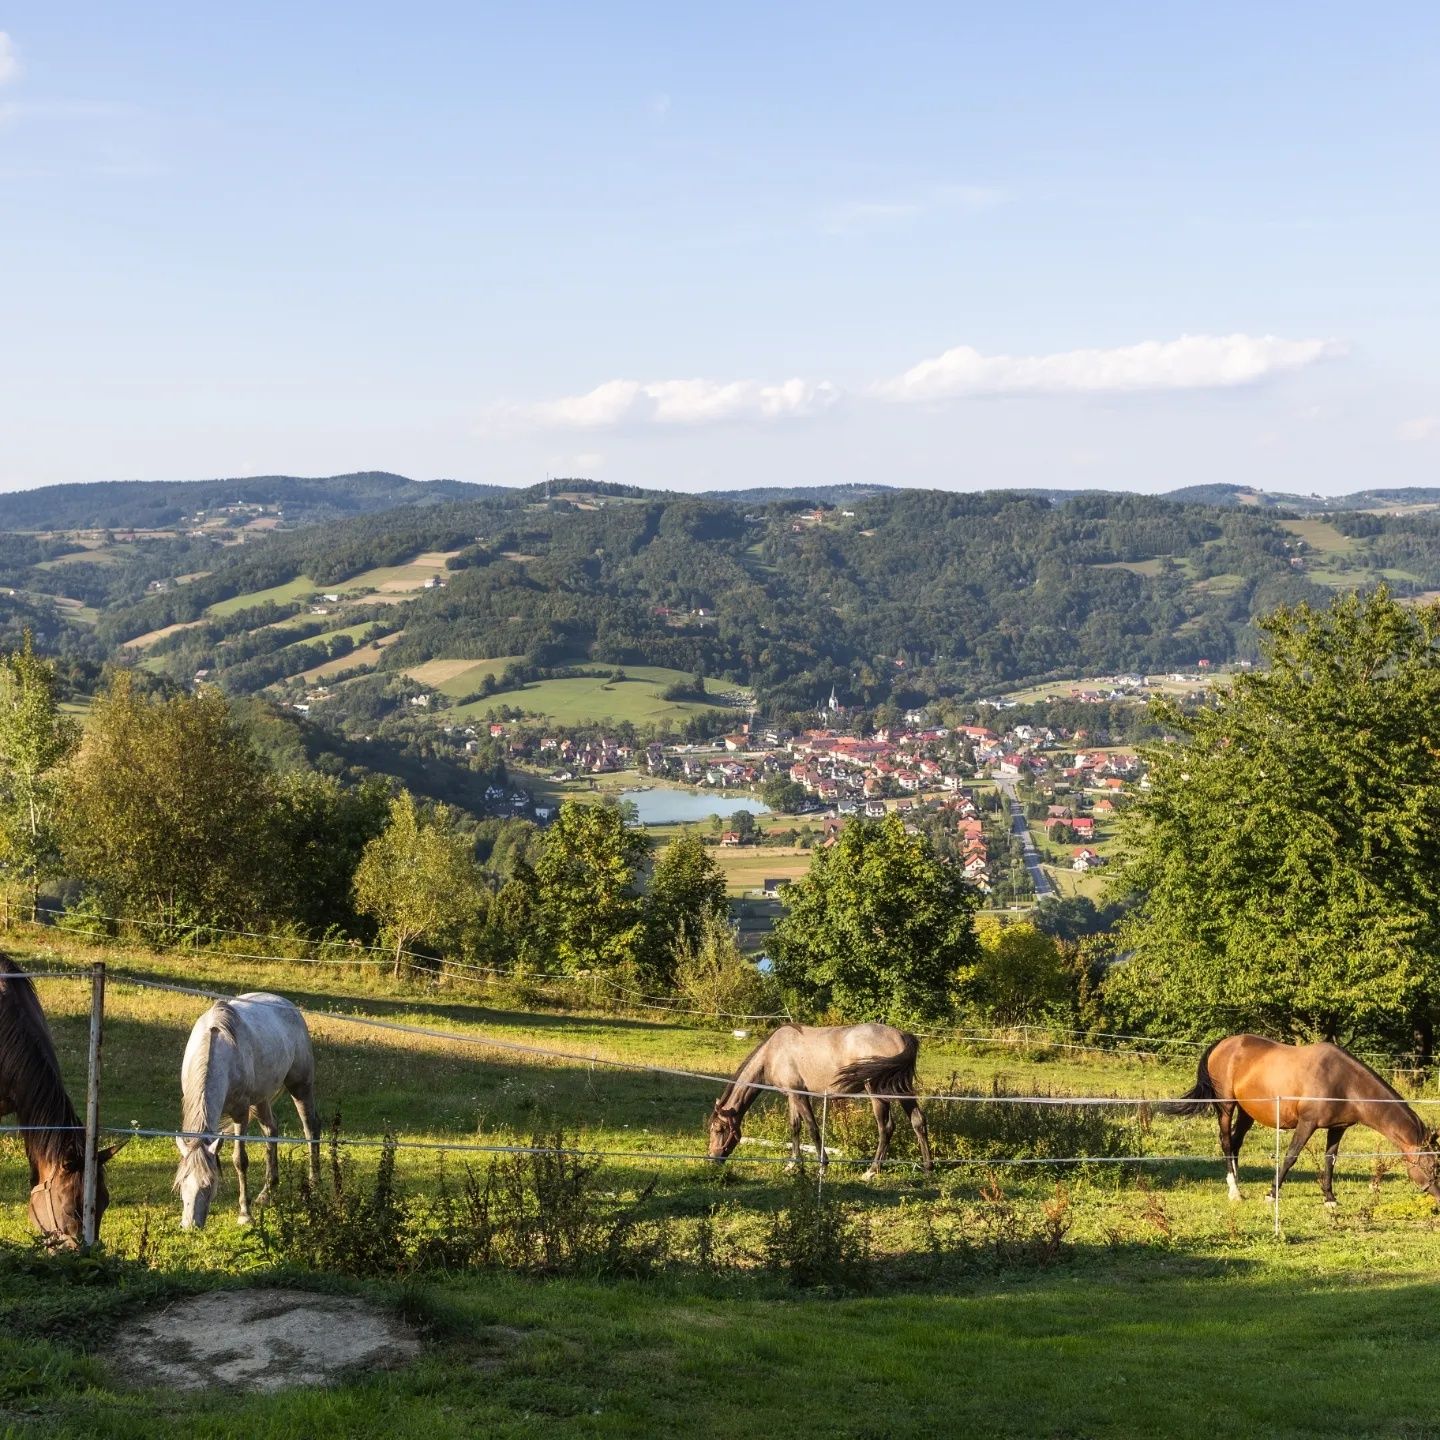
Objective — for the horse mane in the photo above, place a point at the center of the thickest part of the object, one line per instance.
(223, 1021)
(30, 1072)
(1390, 1090)
(728, 1095)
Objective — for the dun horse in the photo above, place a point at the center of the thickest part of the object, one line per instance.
(241, 1054)
(877, 1060)
(31, 1089)
(1318, 1087)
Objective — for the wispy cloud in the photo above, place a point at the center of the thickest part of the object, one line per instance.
(9, 59)
(857, 216)
(683, 403)
(1193, 362)
(1420, 428)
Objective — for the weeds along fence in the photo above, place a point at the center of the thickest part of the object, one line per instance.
(995, 1131)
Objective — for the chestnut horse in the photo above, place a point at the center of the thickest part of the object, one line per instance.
(838, 1060)
(1318, 1087)
(32, 1090)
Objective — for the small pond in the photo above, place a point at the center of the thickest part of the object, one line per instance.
(663, 806)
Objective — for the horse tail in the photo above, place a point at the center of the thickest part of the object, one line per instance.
(885, 1074)
(1197, 1099)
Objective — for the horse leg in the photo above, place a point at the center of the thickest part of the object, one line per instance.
(265, 1114)
(1304, 1129)
(916, 1116)
(808, 1110)
(885, 1128)
(1333, 1136)
(242, 1164)
(1239, 1129)
(1223, 1114)
(797, 1119)
(304, 1097)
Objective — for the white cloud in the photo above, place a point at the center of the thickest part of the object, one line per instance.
(1193, 362)
(9, 60)
(684, 402)
(1421, 428)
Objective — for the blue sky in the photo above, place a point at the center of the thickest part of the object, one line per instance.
(1121, 245)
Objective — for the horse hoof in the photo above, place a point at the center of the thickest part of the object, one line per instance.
(871, 1175)
(1332, 1204)
(242, 1219)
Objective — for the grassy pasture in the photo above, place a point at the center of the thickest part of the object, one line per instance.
(458, 677)
(592, 697)
(366, 655)
(1321, 537)
(288, 593)
(1171, 1312)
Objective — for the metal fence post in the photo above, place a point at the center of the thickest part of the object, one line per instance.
(820, 1158)
(92, 1102)
(1276, 1206)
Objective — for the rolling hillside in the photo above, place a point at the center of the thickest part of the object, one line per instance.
(528, 601)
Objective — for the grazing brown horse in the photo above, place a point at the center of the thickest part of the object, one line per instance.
(31, 1089)
(838, 1060)
(1319, 1087)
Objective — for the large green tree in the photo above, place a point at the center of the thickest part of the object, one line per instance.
(879, 928)
(1286, 856)
(418, 878)
(35, 738)
(687, 887)
(586, 874)
(168, 810)
(322, 829)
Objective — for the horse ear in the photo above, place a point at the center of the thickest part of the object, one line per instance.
(111, 1151)
(212, 1147)
(180, 1146)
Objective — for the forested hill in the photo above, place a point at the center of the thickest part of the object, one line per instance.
(903, 595)
(146, 504)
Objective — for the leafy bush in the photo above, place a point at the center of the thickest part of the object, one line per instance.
(713, 975)
(539, 1211)
(817, 1240)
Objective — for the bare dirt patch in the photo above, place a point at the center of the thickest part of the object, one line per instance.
(260, 1339)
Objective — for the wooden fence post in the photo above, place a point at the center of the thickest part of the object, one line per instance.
(92, 1101)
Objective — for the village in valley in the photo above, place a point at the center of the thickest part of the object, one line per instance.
(1026, 810)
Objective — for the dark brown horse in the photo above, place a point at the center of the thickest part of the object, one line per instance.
(1242, 1077)
(31, 1089)
(836, 1060)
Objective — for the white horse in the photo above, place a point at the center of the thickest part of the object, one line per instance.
(240, 1055)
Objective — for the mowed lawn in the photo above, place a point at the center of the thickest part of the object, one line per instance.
(594, 696)
(1170, 1312)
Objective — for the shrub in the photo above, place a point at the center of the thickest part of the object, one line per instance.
(713, 975)
(992, 1128)
(816, 1240)
(540, 1211)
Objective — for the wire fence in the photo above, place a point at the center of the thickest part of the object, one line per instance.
(571, 1058)
(588, 985)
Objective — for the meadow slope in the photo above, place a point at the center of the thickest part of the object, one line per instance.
(1167, 1311)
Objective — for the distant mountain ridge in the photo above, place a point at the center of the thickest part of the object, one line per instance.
(308, 500)
(144, 504)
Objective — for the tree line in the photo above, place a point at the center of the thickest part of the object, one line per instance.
(1281, 871)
